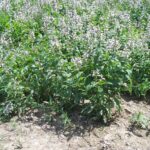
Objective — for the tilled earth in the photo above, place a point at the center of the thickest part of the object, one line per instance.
(32, 134)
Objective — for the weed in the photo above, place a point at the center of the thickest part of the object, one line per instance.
(139, 120)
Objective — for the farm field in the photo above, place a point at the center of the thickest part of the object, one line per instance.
(33, 134)
(75, 74)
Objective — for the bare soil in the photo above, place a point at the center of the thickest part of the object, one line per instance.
(31, 133)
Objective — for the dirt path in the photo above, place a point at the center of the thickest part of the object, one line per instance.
(117, 136)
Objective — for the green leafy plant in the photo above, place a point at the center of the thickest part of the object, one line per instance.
(74, 56)
(4, 19)
(139, 120)
(140, 62)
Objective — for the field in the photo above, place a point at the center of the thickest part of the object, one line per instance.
(72, 65)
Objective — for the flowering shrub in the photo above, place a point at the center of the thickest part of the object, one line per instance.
(73, 55)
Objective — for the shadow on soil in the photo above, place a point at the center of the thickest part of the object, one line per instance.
(78, 126)
(127, 97)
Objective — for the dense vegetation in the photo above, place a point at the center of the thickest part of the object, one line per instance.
(66, 55)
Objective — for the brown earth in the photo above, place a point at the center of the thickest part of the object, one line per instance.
(32, 134)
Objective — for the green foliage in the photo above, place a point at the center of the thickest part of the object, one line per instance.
(45, 76)
(72, 56)
(4, 19)
(25, 32)
(140, 62)
(139, 120)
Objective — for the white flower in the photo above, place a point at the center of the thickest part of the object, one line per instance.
(112, 43)
(8, 108)
(96, 73)
(124, 16)
(77, 61)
